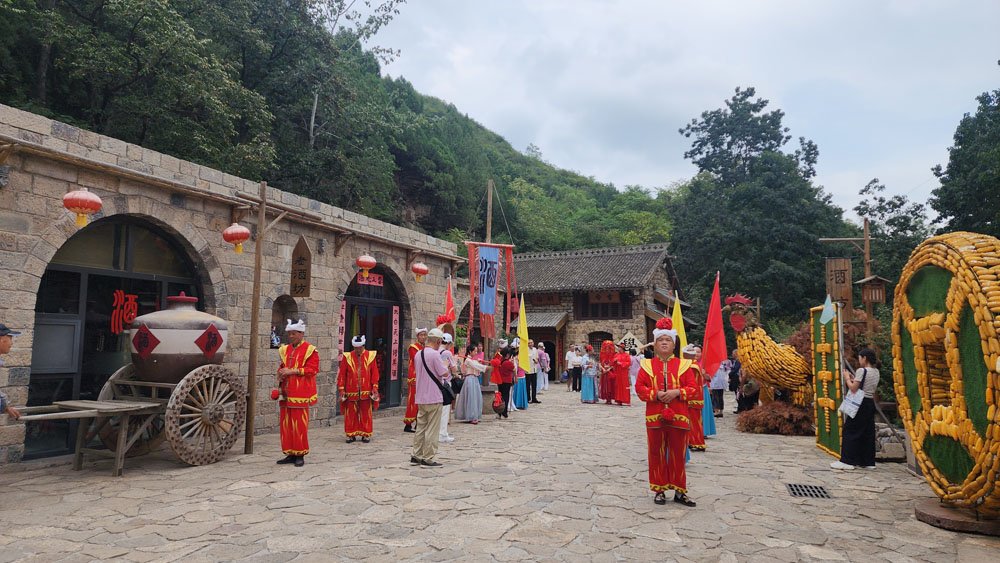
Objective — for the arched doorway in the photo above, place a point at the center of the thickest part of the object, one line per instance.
(375, 306)
(99, 280)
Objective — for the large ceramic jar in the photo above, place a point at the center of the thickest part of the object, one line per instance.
(166, 345)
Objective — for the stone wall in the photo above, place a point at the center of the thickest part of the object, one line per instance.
(52, 158)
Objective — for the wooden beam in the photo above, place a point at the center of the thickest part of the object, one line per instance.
(411, 257)
(339, 240)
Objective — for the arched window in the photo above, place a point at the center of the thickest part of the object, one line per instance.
(596, 338)
(284, 308)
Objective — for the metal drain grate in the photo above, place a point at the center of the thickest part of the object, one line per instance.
(808, 491)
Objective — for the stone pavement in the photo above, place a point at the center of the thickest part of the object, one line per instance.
(562, 481)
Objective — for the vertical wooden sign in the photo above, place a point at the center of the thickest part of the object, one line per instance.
(341, 329)
(838, 279)
(301, 270)
(394, 365)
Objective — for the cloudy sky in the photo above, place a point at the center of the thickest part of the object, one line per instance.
(603, 86)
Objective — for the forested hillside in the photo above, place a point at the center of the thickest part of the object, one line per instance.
(292, 92)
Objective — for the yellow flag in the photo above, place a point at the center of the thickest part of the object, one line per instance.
(678, 321)
(523, 359)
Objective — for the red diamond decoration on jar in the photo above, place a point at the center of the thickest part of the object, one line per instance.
(209, 342)
(144, 342)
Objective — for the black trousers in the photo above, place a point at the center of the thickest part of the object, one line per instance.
(575, 375)
(505, 393)
(531, 380)
(747, 402)
(718, 399)
(858, 444)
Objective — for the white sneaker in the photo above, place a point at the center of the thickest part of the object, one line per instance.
(445, 439)
(867, 467)
(841, 465)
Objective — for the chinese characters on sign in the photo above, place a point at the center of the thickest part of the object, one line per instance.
(838, 280)
(124, 311)
(394, 362)
(604, 297)
(301, 270)
(372, 279)
(341, 329)
(630, 341)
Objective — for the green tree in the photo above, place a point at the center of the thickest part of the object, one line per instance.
(969, 196)
(896, 226)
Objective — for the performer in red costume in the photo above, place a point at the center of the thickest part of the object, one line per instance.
(410, 416)
(696, 437)
(666, 383)
(495, 378)
(619, 365)
(606, 388)
(357, 387)
(297, 381)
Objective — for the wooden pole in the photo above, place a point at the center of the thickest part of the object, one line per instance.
(489, 210)
(254, 320)
(869, 322)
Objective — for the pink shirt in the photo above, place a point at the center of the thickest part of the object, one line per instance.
(427, 392)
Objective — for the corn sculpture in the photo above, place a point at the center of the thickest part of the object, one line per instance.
(770, 363)
(946, 360)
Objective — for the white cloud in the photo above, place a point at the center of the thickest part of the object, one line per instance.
(602, 87)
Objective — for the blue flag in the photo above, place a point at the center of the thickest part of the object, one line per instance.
(489, 258)
(828, 311)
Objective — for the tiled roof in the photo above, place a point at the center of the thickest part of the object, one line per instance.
(624, 267)
(543, 319)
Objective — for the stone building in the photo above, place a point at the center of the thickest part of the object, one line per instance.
(595, 294)
(160, 232)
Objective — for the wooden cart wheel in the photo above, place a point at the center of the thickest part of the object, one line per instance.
(151, 438)
(205, 414)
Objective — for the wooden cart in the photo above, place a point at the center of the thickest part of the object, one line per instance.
(200, 417)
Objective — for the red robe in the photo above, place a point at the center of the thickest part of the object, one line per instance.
(298, 394)
(357, 386)
(410, 416)
(622, 385)
(666, 440)
(696, 438)
(495, 378)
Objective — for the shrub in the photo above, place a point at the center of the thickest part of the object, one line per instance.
(777, 418)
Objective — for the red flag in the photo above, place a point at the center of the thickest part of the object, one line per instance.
(714, 351)
(449, 305)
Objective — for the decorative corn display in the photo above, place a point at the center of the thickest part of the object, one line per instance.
(772, 364)
(827, 339)
(946, 359)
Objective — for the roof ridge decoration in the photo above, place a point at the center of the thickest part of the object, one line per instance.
(661, 246)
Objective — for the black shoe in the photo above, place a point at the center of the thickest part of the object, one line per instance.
(365, 440)
(536, 402)
(285, 460)
(351, 439)
(408, 428)
(505, 415)
(682, 498)
(300, 461)
(660, 498)
(718, 415)
(426, 463)
(414, 460)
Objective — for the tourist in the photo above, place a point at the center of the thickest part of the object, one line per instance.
(531, 377)
(543, 368)
(6, 342)
(432, 374)
(622, 385)
(857, 445)
(588, 386)
(410, 416)
(748, 394)
(707, 409)
(734, 377)
(717, 386)
(574, 367)
(633, 368)
(606, 387)
(505, 376)
(520, 390)
(448, 357)
(696, 436)
(297, 381)
(666, 392)
(469, 403)
(357, 387)
(479, 355)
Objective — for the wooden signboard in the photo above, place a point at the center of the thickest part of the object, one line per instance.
(543, 298)
(301, 270)
(596, 297)
(838, 280)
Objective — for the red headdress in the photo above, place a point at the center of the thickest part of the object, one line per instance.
(607, 351)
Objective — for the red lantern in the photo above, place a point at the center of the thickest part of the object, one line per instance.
(420, 269)
(365, 262)
(82, 203)
(236, 234)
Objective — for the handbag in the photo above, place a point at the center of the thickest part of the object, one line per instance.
(497, 402)
(852, 400)
(447, 397)
(456, 385)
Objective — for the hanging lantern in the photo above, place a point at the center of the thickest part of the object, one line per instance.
(82, 203)
(235, 234)
(420, 269)
(365, 262)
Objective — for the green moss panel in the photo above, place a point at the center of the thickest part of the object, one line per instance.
(974, 372)
(927, 290)
(909, 370)
(950, 457)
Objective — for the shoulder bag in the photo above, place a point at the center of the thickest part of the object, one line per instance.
(852, 400)
(447, 397)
